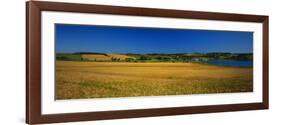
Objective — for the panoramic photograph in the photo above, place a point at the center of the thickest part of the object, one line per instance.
(95, 61)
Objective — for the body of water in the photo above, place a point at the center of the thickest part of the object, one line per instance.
(235, 63)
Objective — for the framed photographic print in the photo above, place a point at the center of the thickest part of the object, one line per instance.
(94, 62)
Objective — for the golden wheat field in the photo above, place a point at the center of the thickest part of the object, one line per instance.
(80, 80)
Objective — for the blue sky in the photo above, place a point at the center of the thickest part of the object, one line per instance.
(115, 39)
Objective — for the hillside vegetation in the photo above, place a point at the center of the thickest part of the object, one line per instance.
(156, 57)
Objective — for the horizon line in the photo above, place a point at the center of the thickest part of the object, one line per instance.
(150, 53)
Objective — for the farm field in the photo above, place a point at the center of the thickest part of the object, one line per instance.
(105, 57)
(85, 79)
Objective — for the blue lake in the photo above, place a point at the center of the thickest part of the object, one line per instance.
(235, 63)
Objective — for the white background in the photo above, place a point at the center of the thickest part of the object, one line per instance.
(49, 106)
(12, 64)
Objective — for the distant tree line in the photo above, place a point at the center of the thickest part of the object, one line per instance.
(160, 57)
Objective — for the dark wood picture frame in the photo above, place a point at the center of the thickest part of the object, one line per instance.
(33, 61)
